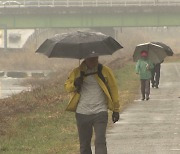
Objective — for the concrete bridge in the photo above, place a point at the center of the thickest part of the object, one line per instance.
(94, 14)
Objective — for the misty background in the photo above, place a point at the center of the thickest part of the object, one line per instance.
(27, 59)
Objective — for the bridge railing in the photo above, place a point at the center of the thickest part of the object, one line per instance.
(99, 3)
(91, 3)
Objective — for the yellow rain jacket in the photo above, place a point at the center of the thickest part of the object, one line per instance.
(110, 88)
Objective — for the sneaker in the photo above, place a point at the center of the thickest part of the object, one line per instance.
(142, 99)
(147, 98)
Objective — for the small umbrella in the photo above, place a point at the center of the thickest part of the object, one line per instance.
(156, 53)
(168, 50)
(79, 45)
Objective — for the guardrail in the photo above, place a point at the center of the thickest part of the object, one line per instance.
(88, 3)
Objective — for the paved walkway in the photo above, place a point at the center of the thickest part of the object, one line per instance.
(151, 127)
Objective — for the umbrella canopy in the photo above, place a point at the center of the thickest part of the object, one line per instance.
(79, 45)
(168, 50)
(156, 53)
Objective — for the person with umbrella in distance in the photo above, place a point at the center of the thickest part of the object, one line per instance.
(156, 75)
(95, 91)
(157, 67)
(143, 68)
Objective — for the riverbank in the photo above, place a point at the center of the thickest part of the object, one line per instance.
(36, 122)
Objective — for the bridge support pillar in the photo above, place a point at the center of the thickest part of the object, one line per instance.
(5, 38)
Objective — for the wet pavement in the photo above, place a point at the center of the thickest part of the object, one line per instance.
(151, 127)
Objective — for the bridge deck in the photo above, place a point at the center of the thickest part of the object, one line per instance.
(163, 13)
(90, 3)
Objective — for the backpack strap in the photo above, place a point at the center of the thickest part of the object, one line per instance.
(101, 76)
(82, 74)
(100, 66)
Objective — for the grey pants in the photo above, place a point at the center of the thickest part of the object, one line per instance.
(85, 125)
(145, 87)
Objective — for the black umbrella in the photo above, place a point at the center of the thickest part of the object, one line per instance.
(168, 50)
(156, 53)
(79, 45)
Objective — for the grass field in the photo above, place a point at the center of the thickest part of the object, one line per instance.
(38, 123)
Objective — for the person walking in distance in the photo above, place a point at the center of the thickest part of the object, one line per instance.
(156, 75)
(143, 68)
(94, 91)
